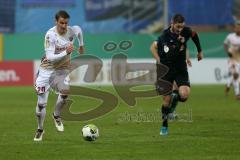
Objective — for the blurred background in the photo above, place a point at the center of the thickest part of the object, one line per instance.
(23, 24)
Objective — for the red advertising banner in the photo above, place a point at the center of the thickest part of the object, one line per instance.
(16, 73)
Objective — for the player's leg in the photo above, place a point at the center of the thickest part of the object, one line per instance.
(165, 112)
(61, 100)
(173, 102)
(42, 89)
(235, 78)
(228, 85)
(63, 89)
(178, 95)
(236, 84)
(40, 114)
(166, 100)
(183, 91)
(231, 70)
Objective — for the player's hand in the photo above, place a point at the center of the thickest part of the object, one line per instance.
(189, 63)
(200, 56)
(70, 49)
(81, 50)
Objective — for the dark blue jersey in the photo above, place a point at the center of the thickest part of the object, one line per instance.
(172, 47)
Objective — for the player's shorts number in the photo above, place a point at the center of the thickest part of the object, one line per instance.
(41, 90)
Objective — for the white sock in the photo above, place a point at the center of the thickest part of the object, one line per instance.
(229, 81)
(236, 87)
(41, 108)
(59, 104)
(40, 113)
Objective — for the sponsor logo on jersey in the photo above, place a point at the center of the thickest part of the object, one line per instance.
(60, 49)
(166, 48)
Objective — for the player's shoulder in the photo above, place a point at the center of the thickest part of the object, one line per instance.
(51, 32)
(232, 34)
(187, 30)
(161, 37)
(164, 33)
(75, 28)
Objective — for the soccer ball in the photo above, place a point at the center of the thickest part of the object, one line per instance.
(90, 132)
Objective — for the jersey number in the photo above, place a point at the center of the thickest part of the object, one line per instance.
(40, 89)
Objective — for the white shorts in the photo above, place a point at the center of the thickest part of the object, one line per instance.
(233, 67)
(58, 80)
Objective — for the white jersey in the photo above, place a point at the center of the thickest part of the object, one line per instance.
(55, 46)
(233, 43)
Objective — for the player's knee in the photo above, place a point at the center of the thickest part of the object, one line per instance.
(184, 92)
(64, 97)
(40, 107)
(41, 103)
(183, 99)
(42, 100)
(183, 96)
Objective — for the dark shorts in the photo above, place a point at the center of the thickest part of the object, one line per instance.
(179, 75)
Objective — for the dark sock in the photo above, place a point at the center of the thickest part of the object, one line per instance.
(177, 93)
(165, 116)
(178, 97)
(174, 101)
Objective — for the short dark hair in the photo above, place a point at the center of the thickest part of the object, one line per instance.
(178, 18)
(62, 14)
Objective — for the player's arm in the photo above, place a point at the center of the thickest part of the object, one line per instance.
(154, 51)
(78, 33)
(226, 46)
(188, 61)
(50, 49)
(196, 41)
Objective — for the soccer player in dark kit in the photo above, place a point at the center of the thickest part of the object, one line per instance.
(170, 50)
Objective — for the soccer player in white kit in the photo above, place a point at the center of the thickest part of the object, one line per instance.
(54, 68)
(232, 48)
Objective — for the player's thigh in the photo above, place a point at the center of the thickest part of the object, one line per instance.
(169, 77)
(182, 78)
(166, 80)
(175, 87)
(42, 83)
(233, 68)
(43, 98)
(183, 83)
(237, 71)
(63, 80)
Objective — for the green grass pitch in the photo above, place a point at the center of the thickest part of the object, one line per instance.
(208, 128)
